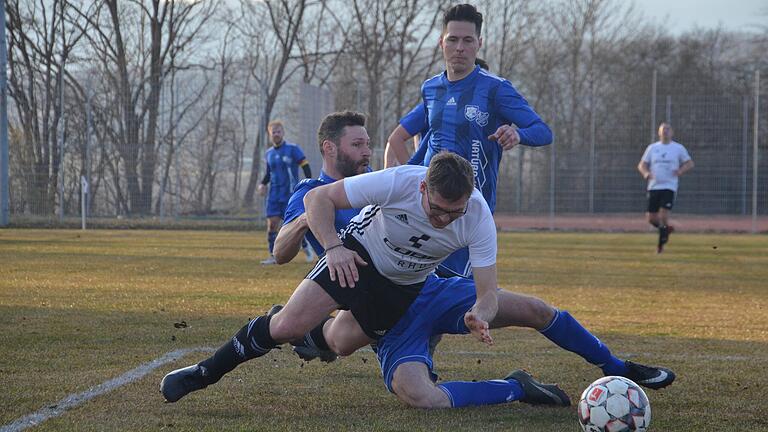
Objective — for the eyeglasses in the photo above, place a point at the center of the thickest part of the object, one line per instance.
(439, 211)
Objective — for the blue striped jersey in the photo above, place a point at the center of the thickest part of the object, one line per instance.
(462, 114)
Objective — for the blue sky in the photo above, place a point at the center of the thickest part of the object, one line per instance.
(685, 14)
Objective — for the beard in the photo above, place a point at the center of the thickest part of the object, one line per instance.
(348, 167)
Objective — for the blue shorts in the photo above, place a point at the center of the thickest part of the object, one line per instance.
(439, 309)
(276, 207)
(457, 264)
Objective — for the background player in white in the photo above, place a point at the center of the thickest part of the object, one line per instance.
(661, 165)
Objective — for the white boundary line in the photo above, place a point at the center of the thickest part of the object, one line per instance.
(139, 372)
(76, 399)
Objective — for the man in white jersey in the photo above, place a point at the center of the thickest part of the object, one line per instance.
(413, 217)
(661, 165)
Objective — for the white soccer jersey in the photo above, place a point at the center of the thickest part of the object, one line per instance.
(394, 227)
(664, 160)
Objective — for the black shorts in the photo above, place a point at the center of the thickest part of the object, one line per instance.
(660, 198)
(376, 302)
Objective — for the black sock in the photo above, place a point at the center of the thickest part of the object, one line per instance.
(253, 340)
(663, 235)
(317, 336)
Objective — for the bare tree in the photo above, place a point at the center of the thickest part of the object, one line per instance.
(209, 160)
(269, 62)
(135, 42)
(39, 45)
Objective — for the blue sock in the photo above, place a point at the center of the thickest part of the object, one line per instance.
(568, 334)
(271, 236)
(464, 393)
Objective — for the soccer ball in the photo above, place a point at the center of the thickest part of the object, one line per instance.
(614, 404)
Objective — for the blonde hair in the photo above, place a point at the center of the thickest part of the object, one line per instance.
(273, 123)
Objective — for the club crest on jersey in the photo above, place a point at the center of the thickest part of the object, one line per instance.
(473, 114)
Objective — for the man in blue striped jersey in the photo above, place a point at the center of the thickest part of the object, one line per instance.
(473, 113)
(283, 160)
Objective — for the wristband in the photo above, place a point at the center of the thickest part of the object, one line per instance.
(334, 247)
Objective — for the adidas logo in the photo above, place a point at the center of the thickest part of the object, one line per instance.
(451, 101)
(402, 218)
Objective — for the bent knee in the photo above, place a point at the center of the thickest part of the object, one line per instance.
(340, 348)
(282, 330)
(416, 395)
(542, 313)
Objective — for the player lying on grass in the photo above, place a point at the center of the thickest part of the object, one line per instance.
(403, 354)
(411, 378)
(413, 217)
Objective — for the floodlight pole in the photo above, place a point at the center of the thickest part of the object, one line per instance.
(61, 128)
(4, 170)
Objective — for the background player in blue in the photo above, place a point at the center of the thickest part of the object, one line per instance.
(283, 160)
(473, 113)
(345, 150)
(413, 126)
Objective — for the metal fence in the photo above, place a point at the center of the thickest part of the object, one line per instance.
(588, 173)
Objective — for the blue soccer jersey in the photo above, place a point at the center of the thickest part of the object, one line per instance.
(462, 114)
(296, 208)
(283, 163)
(415, 122)
(417, 158)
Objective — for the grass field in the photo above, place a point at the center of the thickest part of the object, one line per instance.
(79, 308)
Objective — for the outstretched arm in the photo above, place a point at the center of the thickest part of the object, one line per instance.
(487, 304)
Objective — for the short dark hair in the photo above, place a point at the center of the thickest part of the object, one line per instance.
(482, 63)
(332, 126)
(451, 176)
(463, 12)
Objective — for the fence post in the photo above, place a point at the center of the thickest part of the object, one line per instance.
(85, 181)
(755, 158)
(61, 128)
(552, 165)
(653, 107)
(519, 189)
(5, 208)
(744, 154)
(592, 128)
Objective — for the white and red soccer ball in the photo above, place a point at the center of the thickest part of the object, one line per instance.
(614, 404)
